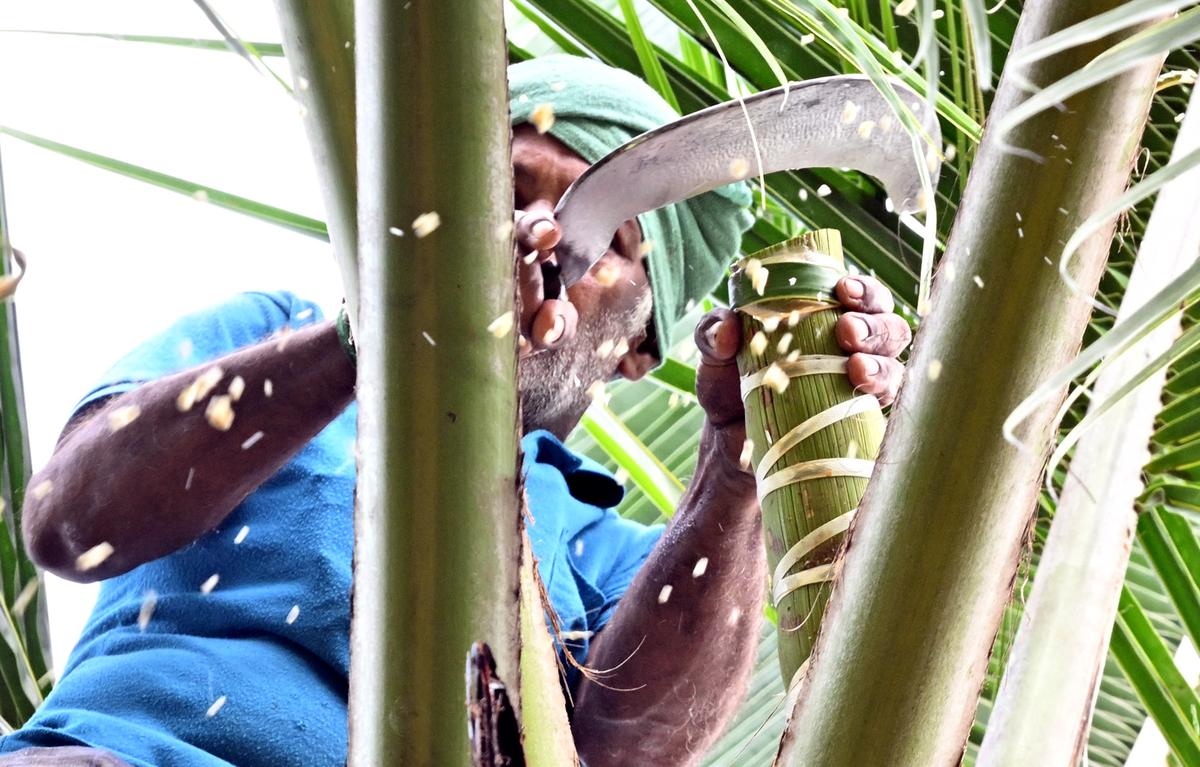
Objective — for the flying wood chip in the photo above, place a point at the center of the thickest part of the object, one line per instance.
(426, 224)
(93, 557)
(219, 412)
(542, 117)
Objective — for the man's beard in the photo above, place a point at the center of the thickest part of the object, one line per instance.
(554, 384)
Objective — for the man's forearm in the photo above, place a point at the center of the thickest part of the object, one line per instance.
(681, 643)
(150, 472)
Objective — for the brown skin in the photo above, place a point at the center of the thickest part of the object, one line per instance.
(683, 656)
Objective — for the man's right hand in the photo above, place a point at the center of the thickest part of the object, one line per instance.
(545, 321)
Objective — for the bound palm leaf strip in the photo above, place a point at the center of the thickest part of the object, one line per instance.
(811, 439)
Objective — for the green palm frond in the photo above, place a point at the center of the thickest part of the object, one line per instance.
(676, 52)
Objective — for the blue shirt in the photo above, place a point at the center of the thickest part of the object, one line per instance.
(272, 637)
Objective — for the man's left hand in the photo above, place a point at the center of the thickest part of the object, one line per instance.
(868, 331)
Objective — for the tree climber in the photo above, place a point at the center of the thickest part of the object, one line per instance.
(208, 480)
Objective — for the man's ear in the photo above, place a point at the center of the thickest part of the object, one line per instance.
(635, 364)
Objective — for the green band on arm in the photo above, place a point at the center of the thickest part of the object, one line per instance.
(345, 336)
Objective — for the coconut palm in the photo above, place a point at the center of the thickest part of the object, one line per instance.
(699, 52)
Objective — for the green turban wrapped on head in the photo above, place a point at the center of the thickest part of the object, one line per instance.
(598, 108)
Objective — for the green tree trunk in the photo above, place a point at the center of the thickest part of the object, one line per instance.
(1050, 683)
(318, 39)
(436, 525)
(933, 551)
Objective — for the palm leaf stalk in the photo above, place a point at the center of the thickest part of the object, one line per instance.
(437, 547)
(24, 651)
(1049, 684)
(930, 560)
(319, 41)
(811, 439)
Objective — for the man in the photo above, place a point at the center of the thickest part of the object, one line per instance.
(209, 481)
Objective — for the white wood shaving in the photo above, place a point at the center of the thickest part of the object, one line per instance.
(237, 387)
(395, 231)
(199, 389)
(700, 568)
(771, 324)
(934, 371)
(785, 343)
(428, 338)
(597, 393)
(149, 602)
(268, 387)
(252, 440)
(776, 378)
(292, 615)
(865, 128)
(606, 274)
(187, 483)
(210, 584)
(542, 117)
(93, 557)
(502, 325)
(979, 280)
(41, 489)
(747, 454)
(241, 535)
(426, 224)
(605, 349)
(739, 168)
(823, 190)
(849, 113)
(758, 344)
(123, 416)
(665, 594)
(217, 705)
(219, 412)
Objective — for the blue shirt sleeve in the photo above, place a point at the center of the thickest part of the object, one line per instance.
(243, 320)
(624, 546)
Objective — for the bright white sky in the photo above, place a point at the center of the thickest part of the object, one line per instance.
(111, 260)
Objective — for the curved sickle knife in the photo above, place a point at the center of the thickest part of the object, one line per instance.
(830, 122)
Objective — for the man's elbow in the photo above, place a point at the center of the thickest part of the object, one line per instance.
(48, 543)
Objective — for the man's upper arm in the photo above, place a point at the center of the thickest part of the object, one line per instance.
(192, 340)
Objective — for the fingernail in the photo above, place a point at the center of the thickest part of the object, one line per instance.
(542, 228)
(556, 331)
(870, 366)
(854, 288)
(710, 335)
(859, 327)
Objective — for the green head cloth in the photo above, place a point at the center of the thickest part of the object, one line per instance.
(598, 108)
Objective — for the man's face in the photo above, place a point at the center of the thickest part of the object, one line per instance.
(612, 300)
